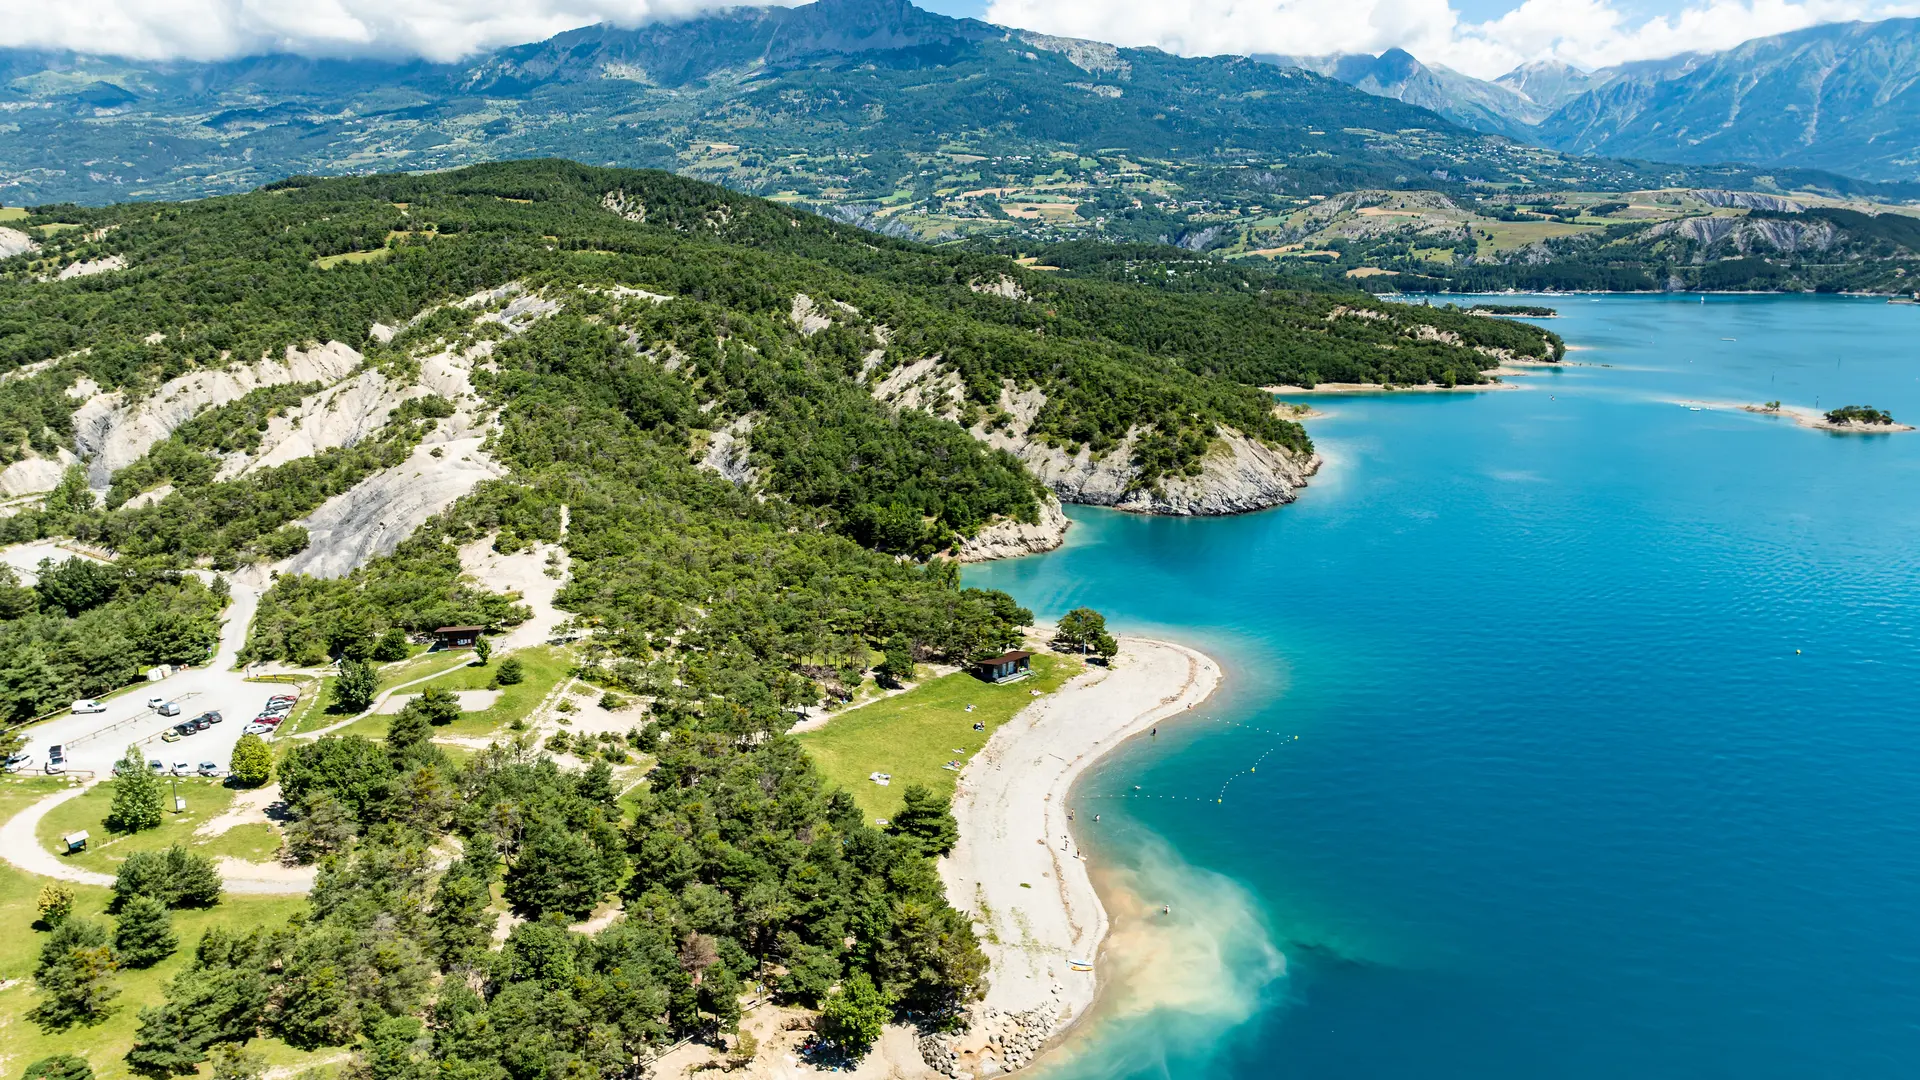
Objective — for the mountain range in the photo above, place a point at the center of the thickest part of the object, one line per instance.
(1839, 97)
(836, 103)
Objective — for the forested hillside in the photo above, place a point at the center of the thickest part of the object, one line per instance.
(755, 435)
(593, 336)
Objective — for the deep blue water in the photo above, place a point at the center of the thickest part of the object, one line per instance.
(1608, 718)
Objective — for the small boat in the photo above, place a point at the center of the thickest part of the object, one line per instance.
(1693, 408)
(1079, 965)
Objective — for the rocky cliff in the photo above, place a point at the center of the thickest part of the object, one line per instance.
(1239, 474)
(1009, 539)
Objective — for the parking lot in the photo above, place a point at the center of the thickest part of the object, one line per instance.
(93, 742)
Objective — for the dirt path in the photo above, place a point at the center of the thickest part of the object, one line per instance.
(20, 842)
(20, 845)
(374, 708)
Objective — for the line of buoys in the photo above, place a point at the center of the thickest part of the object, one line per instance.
(1136, 793)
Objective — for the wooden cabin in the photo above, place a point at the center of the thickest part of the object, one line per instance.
(1007, 667)
(458, 637)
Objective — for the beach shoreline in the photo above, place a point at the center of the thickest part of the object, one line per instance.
(1017, 869)
(1801, 415)
(1333, 388)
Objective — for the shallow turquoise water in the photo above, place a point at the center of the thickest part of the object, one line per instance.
(1565, 799)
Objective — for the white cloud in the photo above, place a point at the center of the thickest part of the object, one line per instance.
(215, 29)
(1589, 33)
(1586, 33)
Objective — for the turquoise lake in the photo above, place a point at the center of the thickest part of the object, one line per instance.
(1590, 723)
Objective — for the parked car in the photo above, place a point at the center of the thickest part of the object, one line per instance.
(170, 735)
(19, 762)
(257, 729)
(183, 728)
(155, 702)
(201, 723)
(168, 708)
(278, 707)
(211, 716)
(89, 705)
(181, 768)
(269, 719)
(288, 698)
(157, 765)
(208, 768)
(56, 760)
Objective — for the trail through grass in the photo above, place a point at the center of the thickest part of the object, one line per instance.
(912, 735)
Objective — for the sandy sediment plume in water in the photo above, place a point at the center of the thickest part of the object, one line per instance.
(1172, 978)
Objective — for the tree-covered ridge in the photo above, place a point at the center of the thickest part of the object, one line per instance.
(85, 627)
(662, 310)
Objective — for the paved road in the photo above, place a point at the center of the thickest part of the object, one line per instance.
(95, 741)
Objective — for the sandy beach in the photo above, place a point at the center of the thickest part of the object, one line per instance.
(1032, 898)
(1016, 868)
(1799, 414)
(1379, 388)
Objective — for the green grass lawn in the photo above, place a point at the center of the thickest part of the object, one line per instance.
(912, 735)
(13, 213)
(104, 1045)
(328, 262)
(545, 667)
(106, 851)
(315, 709)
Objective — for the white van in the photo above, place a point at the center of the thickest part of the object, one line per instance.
(168, 708)
(89, 705)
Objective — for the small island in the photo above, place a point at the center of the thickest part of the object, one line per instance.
(1525, 311)
(1848, 419)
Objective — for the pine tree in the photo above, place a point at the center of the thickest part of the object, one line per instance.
(252, 762)
(143, 934)
(460, 926)
(71, 495)
(926, 821)
(596, 784)
(232, 1061)
(391, 1052)
(896, 661)
(557, 871)
(74, 976)
(410, 731)
(511, 672)
(1105, 647)
(59, 1067)
(482, 650)
(136, 795)
(1080, 628)
(438, 704)
(356, 686)
(176, 877)
(854, 1015)
(391, 646)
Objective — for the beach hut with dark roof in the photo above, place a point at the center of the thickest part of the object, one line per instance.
(458, 637)
(1007, 667)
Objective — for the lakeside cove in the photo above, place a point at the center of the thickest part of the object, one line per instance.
(1595, 785)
